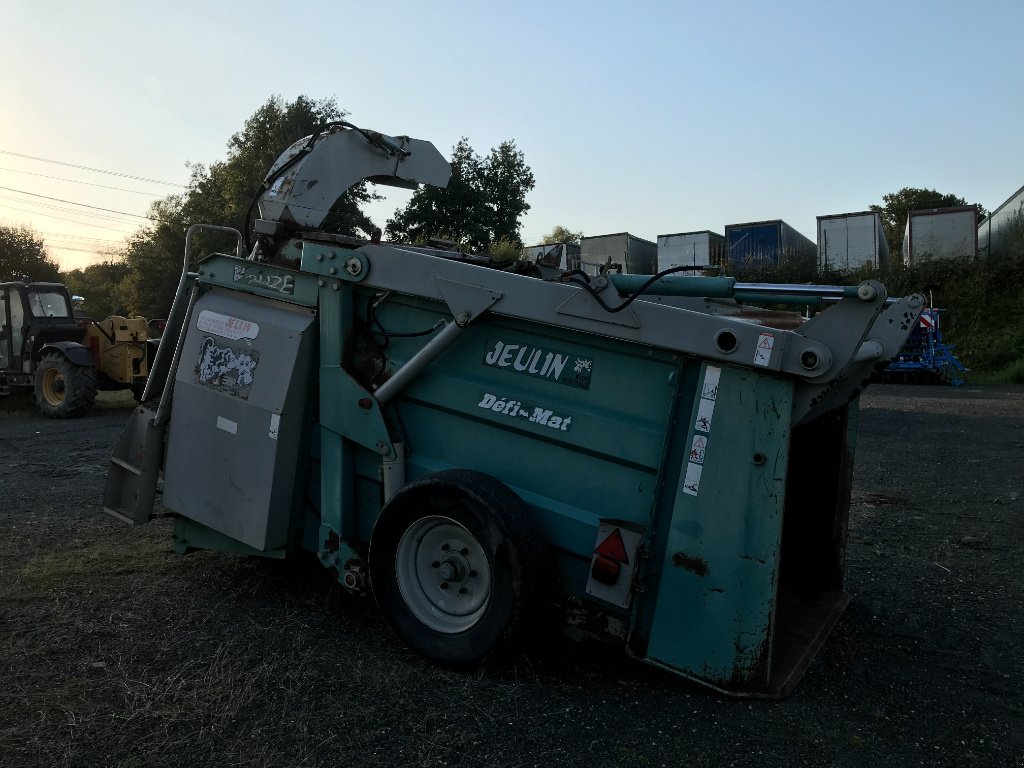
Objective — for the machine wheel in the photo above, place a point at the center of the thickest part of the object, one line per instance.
(62, 388)
(457, 567)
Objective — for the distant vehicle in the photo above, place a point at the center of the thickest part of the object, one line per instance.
(49, 346)
(924, 357)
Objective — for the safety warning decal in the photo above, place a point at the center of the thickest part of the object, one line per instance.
(705, 412)
(709, 391)
(763, 351)
(697, 449)
(691, 483)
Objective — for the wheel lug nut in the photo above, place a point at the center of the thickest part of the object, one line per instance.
(444, 585)
(445, 547)
(436, 564)
(462, 590)
(464, 550)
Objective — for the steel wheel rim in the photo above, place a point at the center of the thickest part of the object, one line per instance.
(53, 386)
(443, 574)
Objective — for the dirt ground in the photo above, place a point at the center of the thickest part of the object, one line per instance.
(114, 651)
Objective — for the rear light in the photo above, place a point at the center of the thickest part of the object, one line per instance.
(605, 570)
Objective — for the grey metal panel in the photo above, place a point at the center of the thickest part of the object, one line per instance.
(849, 241)
(941, 233)
(339, 159)
(643, 256)
(993, 232)
(636, 255)
(693, 249)
(561, 255)
(239, 392)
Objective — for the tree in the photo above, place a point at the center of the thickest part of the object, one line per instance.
(506, 180)
(898, 206)
(222, 194)
(101, 285)
(482, 204)
(562, 235)
(23, 254)
(455, 213)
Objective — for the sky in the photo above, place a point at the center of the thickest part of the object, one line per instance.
(648, 117)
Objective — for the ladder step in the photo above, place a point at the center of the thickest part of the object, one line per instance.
(125, 465)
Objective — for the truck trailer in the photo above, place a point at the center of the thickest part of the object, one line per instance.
(691, 249)
(492, 455)
(850, 241)
(632, 254)
(941, 233)
(766, 243)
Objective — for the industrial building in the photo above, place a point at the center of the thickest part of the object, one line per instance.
(849, 241)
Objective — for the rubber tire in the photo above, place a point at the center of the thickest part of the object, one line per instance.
(80, 387)
(518, 558)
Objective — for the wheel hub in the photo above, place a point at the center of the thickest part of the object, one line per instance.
(443, 574)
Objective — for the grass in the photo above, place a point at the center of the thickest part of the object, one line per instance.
(21, 402)
(1011, 374)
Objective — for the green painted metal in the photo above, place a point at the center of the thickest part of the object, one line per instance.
(677, 285)
(713, 586)
(583, 428)
(260, 279)
(720, 288)
(190, 535)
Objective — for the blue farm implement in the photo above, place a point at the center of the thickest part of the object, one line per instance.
(485, 450)
(924, 357)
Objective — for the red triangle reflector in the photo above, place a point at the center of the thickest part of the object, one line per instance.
(614, 548)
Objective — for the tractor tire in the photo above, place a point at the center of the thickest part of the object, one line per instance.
(62, 388)
(458, 567)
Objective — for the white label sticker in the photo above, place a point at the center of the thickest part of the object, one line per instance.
(227, 326)
(705, 412)
(711, 378)
(275, 425)
(763, 353)
(227, 425)
(691, 483)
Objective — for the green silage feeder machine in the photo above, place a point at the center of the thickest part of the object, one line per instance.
(639, 456)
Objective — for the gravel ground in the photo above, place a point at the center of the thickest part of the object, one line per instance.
(116, 652)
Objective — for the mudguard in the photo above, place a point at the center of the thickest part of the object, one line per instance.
(72, 350)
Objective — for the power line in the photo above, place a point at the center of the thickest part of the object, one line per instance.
(94, 170)
(72, 202)
(69, 248)
(117, 219)
(62, 235)
(70, 221)
(76, 181)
